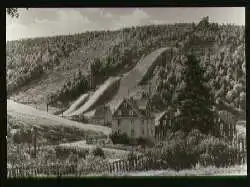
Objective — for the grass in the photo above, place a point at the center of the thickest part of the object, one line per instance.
(109, 152)
(34, 117)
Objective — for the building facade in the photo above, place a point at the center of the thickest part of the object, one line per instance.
(134, 118)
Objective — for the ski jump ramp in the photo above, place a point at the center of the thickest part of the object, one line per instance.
(127, 82)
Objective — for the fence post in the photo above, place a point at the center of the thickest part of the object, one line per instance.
(136, 162)
(122, 165)
(115, 167)
(141, 168)
(110, 167)
(127, 163)
(119, 166)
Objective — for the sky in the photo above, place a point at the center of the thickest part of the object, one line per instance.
(40, 22)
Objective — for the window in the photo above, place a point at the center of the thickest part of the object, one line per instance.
(131, 113)
(119, 112)
(132, 121)
(142, 131)
(118, 122)
(164, 121)
(132, 132)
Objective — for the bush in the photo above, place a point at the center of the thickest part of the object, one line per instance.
(119, 138)
(185, 151)
(98, 152)
(222, 153)
(206, 159)
(178, 155)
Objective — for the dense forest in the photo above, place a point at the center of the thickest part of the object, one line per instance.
(221, 49)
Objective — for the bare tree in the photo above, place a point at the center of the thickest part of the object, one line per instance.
(13, 12)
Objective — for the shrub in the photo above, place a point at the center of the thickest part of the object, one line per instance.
(222, 153)
(206, 159)
(119, 138)
(98, 152)
(177, 155)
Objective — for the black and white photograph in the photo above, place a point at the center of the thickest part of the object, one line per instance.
(126, 92)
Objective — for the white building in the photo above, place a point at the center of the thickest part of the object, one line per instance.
(134, 118)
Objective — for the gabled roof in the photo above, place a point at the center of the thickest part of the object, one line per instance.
(158, 117)
(139, 110)
(141, 103)
(134, 106)
(114, 108)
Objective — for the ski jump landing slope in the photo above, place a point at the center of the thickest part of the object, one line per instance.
(131, 79)
(77, 104)
(99, 95)
(127, 82)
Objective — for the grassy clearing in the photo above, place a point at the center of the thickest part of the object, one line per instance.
(49, 135)
(109, 152)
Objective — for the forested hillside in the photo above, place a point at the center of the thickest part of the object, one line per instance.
(58, 68)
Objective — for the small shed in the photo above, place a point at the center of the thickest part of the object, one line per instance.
(102, 116)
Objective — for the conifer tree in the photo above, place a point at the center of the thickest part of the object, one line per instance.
(194, 99)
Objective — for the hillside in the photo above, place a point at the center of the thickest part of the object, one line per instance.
(58, 69)
(47, 63)
(33, 117)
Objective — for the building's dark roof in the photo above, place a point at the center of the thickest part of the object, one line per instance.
(158, 117)
(141, 103)
(138, 106)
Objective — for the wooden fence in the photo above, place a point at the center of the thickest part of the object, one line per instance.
(140, 163)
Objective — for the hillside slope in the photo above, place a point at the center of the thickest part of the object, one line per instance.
(39, 118)
(40, 67)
